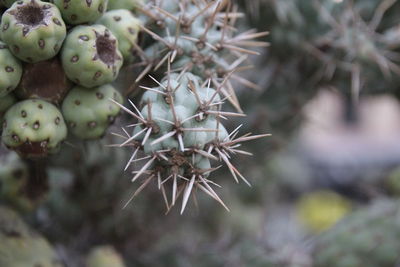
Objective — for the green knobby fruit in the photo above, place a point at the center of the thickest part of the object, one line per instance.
(5, 103)
(104, 256)
(11, 223)
(22, 247)
(45, 80)
(89, 113)
(125, 26)
(90, 56)
(34, 30)
(10, 70)
(81, 11)
(7, 3)
(369, 238)
(33, 128)
(14, 179)
(131, 5)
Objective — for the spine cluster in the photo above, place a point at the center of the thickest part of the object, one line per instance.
(179, 128)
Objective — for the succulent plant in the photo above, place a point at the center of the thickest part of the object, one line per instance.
(20, 246)
(90, 56)
(10, 70)
(81, 11)
(179, 126)
(88, 113)
(14, 181)
(104, 256)
(180, 132)
(369, 237)
(34, 30)
(5, 103)
(125, 26)
(44, 80)
(131, 5)
(34, 128)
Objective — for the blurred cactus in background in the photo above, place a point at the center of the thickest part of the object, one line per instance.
(102, 100)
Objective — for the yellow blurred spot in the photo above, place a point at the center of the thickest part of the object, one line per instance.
(321, 210)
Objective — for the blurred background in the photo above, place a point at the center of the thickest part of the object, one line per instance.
(324, 185)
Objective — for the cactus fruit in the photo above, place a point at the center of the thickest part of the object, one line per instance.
(81, 11)
(131, 5)
(90, 56)
(14, 176)
(125, 26)
(5, 103)
(33, 128)
(88, 113)
(369, 238)
(20, 246)
(104, 256)
(45, 80)
(320, 210)
(34, 30)
(10, 70)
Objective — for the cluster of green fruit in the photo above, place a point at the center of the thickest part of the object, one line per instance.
(21, 246)
(57, 62)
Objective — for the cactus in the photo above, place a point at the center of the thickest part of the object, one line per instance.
(125, 26)
(179, 121)
(81, 11)
(10, 70)
(5, 103)
(368, 237)
(88, 113)
(90, 56)
(14, 179)
(34, 128)
(34, 30)
(20, 246)
(131, 5)
(104, 256)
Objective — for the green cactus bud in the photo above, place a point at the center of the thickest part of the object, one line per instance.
(5, 103)
(34, 128)
(14, 179)
(81, 11)
(10, 70)
(34, 30)
(20, 246)
(90, 56)
(125, 26)
(104, 256)
(179, 131)
(88, 113)
(131, 5)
